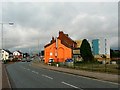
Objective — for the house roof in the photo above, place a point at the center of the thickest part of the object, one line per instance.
(51, 42)
(65, 40)
(7, 51)
(18, 51)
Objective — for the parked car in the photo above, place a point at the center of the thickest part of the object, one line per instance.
(51, 60)
(28, 60)
(68, 60)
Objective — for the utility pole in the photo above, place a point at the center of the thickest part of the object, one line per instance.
(105, 54)
(2, 35)
(38, 47)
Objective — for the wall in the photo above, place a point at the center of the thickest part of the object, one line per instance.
(59, 53)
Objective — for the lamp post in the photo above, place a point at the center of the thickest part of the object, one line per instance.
(2, 30)
(10, 23)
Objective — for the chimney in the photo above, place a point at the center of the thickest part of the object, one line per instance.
(52, 39)
(60, 32)
(66, 35)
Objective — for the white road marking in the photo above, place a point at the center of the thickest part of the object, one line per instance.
(35, 72)
(24, 68)
(47, 76)
(88, 78)
(94, 79)
(28, 69)
(70, 85)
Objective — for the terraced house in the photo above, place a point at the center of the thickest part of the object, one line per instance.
(60, 48)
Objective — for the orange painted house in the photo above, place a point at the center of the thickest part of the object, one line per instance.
(60, 48)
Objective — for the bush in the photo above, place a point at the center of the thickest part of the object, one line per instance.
(15, 59)
(53, 64)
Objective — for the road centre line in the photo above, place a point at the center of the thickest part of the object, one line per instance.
(28, 69)
(35, 72)
(95, 79)
(24, 68)
(47, 76)
(104, 81)
(70, 85)
(88, 78)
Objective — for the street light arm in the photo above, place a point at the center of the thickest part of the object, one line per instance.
(10, 23)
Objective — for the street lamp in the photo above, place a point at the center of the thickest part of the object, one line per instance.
(10, 23)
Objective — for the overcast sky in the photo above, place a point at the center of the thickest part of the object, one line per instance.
(39, 21)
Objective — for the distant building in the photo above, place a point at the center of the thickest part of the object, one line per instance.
(59, 49)
(18, 55)
(25, 55)
(6, 54)
(101, 47)
(79, 42)
(76, 51)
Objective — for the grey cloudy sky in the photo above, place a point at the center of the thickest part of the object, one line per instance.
(35, 21)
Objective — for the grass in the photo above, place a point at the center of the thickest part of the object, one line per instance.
(95, 67)
(109, 68)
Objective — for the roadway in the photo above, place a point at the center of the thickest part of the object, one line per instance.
(24, 75)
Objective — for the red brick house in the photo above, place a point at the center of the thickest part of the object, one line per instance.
(60, 48)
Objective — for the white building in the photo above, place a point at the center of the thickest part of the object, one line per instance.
(17, 54)
(5, 54)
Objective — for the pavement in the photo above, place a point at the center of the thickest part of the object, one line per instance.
(4, 80)
(0, 75)
(95, 75)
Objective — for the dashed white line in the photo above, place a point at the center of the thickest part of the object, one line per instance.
(24, 68)
(88, 78)
(28, 69)
(35, 72)
(70, 85)
(47, 76)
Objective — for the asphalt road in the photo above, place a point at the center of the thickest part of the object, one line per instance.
(23, 75)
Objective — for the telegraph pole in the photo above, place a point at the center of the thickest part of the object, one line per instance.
(105, 54)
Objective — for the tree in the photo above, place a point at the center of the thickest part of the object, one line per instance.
(86, 52)
(114, 53)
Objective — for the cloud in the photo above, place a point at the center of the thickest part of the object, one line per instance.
(37, 21)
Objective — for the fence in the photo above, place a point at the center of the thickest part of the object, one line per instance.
(108, 68)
